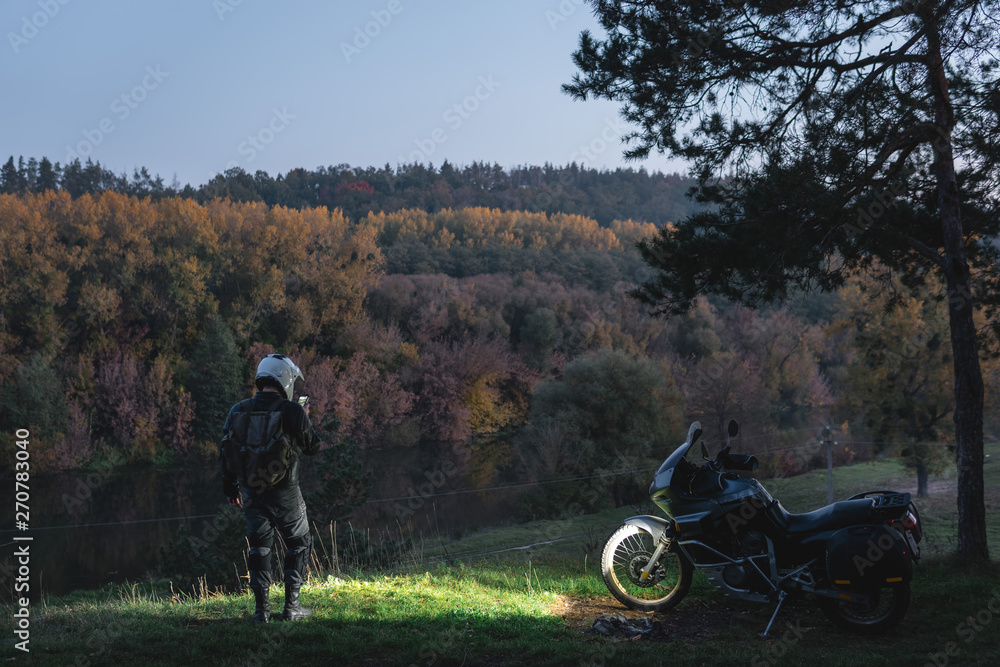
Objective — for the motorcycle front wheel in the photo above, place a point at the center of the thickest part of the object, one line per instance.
(886, 607)
(626, 553)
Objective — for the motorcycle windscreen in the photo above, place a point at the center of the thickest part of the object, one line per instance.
(664, 476)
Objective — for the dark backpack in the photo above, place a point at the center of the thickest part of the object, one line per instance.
(256, 447)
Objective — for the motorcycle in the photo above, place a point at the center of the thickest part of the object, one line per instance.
(854, 556)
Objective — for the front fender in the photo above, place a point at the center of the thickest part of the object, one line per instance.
(654, 525)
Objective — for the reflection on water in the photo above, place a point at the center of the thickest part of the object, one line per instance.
(72, 549)
(93, 528)
(427, 490)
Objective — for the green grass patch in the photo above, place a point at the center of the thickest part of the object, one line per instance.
(523, 595)
(501, 613)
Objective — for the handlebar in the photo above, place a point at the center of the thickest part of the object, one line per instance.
(726, 461)
(739, 461)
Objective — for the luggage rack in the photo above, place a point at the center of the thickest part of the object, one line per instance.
(885, 499)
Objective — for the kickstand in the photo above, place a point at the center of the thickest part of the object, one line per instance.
(781, 598)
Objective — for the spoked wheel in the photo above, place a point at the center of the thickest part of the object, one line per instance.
(886, 607)
(626, 553)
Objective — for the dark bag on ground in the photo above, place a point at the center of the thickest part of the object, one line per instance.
(257, 449)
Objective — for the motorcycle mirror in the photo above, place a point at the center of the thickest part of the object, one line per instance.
(734, 428)
(704, 451)
(694, 432)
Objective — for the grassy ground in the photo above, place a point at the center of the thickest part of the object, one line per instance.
(503, 613)
(455, 605)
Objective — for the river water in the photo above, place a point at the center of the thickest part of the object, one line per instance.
(107, 526)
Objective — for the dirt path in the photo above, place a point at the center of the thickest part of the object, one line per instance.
(692, 622)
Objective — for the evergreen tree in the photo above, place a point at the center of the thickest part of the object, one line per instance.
(23, 175)
(48, 176)
(73, 180)
(8, 176)
(31, 180)
(828, 136)
(34, 399)
(217, 379)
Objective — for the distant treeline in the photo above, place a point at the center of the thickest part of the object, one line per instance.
(604, 196)
(128, 326)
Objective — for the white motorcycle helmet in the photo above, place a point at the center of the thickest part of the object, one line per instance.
(279, 369)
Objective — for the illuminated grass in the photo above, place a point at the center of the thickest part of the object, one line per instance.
(490, 613)
(504, 609)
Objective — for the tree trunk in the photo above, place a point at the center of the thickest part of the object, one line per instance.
(972, 544)
(968, 420)
(921, 479)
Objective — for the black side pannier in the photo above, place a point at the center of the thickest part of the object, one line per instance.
(869, 556)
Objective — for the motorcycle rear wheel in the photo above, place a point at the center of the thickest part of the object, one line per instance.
(884, 611)
(626, 552)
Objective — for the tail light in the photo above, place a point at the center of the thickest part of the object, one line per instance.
(911, 524)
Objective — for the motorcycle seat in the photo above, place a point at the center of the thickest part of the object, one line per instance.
(838, 515)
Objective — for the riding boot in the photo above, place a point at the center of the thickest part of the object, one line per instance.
(262, 612)
(293, 610)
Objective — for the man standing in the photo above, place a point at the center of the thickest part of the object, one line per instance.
(271, 506)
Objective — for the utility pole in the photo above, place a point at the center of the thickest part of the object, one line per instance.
(829, 464)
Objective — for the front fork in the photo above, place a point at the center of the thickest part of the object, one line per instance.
(660, 530)
(655, 558)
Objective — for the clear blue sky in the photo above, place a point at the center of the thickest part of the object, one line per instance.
(188, 88)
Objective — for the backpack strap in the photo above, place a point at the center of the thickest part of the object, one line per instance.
(244, 405)
(277, 404)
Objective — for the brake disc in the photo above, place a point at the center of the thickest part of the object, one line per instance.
(635, 565)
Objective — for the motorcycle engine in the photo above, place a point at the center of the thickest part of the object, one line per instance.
(749, 543)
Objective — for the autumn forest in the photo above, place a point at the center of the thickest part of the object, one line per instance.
(131, 317)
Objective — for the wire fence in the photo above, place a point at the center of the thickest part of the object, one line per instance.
(813, 445)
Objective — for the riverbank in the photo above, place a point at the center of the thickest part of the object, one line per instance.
(528, 594)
